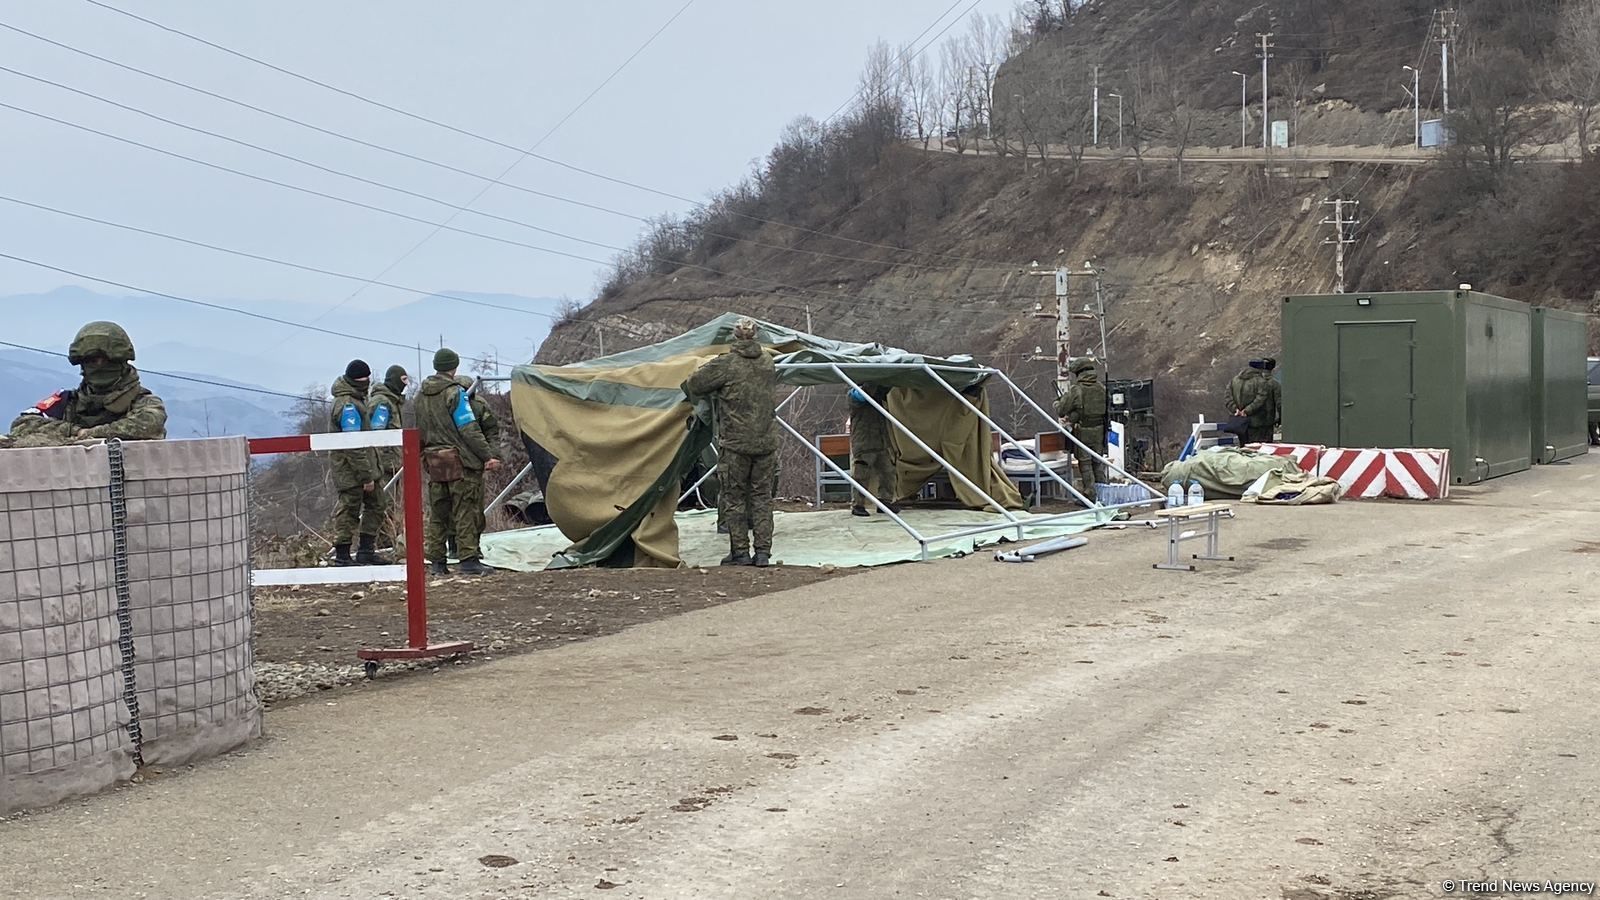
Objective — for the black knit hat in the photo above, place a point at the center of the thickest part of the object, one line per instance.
(357, 370)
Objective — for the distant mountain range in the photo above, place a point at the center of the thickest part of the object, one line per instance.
(235, 351)
(174, 336)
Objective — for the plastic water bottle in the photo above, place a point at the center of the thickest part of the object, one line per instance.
(1197, 495)
(1175, 495)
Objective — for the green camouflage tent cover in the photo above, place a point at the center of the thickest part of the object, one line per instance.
(612, 438)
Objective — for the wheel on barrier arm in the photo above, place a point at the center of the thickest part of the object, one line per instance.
(371, 669)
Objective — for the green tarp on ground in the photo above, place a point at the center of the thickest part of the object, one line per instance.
(1225, 471)
(810, 539)
(611, 442)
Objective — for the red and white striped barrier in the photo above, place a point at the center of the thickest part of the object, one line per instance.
(1306, 456)
(412, 572)
(1362, 473)
(1417, 474)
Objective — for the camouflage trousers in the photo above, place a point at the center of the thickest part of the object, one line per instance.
(747, 483)
(359, 510)
(874, 470)
(1258, 432)
(1091, 471)
(455, 508)
(722, 495)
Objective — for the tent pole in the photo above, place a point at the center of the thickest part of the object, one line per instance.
(1056, 424)
(1031, 454)
(954, 472)
(499, 500)
(882, 507)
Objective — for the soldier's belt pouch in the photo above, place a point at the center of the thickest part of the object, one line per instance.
(442, 465)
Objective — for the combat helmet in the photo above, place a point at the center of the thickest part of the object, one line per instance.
(105, 338)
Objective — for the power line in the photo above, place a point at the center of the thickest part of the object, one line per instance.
(490, 182)
(218, 306)
(268, 259)
(913, 43)
(175, 377)
(475, 135)
(516, 162)
(401, 215)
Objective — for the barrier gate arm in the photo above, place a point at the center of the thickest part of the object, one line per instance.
(413, 573)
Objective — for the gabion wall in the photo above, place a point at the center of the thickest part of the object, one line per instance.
(124, 613)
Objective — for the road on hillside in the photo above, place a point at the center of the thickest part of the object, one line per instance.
(1374, 699)
(1308, 155)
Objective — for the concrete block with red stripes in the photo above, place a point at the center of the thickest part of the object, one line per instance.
(1417, 474)
(1362, 473)
(1306, 456)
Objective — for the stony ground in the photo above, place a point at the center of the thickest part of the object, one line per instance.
(1374, 699)
(306, 638)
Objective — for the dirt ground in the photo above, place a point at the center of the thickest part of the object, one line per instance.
(306, 637)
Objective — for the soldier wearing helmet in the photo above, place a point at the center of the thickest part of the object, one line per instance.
(108, 403)
(1083, 409)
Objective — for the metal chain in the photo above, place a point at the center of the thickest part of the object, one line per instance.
(119, 561)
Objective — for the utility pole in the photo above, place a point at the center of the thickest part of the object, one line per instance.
(601, 337)
(1343, 235)
(808, 320)
(1244, 110)
(1416, 104)
(1064, 315)
(1266, 120)
(1447, 40)
(1097, 106)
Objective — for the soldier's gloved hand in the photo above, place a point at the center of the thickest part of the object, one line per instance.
(369, 487)
(491, 465)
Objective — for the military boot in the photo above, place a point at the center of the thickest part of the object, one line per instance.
(341, 555)
(367, 553)
(1086, 481)
(473, 566)
(859, 511)
(737, 557)
(762, 559)
(438, 567)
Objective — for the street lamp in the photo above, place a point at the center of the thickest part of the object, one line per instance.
(1416, 103)
(1119, 119)
(1244, 109)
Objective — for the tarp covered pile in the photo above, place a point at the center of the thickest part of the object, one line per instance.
(612, 438)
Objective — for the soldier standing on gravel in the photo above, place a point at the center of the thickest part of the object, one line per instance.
(743, 381)
(108, 403)
(362, 502)
(1083, 409)
(456, 453)
(871, 462)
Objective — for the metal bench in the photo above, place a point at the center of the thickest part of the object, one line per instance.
(1210, 514)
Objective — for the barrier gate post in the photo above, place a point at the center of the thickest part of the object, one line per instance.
(413, 572)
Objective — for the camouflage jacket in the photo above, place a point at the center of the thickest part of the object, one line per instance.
(446, 420)
(1084, 403)
(742, 381)
(869, 430)
(351, 413)
(386, 410)
(1253, 392)
(127, 412)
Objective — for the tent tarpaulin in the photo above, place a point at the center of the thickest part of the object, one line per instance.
(612, 431)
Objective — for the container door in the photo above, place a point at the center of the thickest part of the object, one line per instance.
(1376, 390)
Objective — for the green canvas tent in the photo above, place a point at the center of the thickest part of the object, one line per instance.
(611, 439)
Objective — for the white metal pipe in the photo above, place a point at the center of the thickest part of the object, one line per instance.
(882, 507)
(1055, 423)
(954, 472)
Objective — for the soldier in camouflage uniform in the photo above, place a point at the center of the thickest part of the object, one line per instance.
(871, 459)
(108, 403)
(357, 473)
(1268, 365)
(491, 433)
(456, 454)
(743, 381)
(1251, 393)
(1083, 409)
(387, 406)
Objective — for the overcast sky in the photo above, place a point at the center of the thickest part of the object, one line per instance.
(688, 116)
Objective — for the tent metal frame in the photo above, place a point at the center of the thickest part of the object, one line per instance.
(1011, 520)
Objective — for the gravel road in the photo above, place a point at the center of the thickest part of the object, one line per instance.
(1375, 698)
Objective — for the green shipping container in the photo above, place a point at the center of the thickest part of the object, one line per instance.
(1447, 370)
(1560, 389)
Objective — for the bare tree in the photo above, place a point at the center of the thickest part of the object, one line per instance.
(1499, 116)
(1576, 76)
(954, 111)
(986, 44)
(921, 96)
(880, 77)
(1176, 116)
